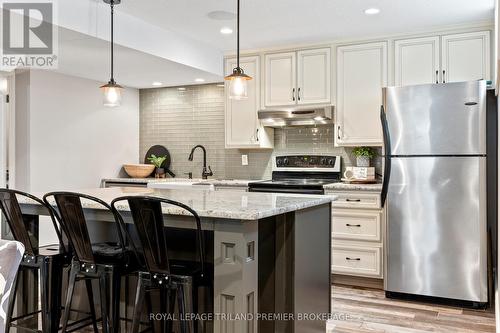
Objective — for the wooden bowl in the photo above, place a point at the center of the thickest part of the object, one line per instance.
(139, 170)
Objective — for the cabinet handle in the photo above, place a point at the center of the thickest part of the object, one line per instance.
(298, 94)
(353, 200)
(444, 76)
(353, 225)
(293, 94)
(257, 135)
(437, 76)
(338, 132)
(356, 259)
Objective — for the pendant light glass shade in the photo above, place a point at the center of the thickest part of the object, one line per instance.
(238, 84)
(112, 94)
(238, 80)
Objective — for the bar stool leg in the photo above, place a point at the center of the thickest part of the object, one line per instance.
(115, 300)
(12, 301)
(69, 296)
(172, 294)
(104, 289)
(90, 295)
(185, 302)
(139, 300)
(51, 272)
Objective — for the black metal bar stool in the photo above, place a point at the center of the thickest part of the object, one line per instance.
(105, 262)
(173, 279)
(48, 260)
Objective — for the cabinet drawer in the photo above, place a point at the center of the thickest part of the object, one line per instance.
(363, 261)
(356, 200)
(364, 225)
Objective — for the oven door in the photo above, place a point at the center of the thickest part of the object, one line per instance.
(286, 190)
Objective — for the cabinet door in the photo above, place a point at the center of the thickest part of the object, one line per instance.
(313, 76)
(243, 129)
(466, 57)
(361, 74)
(417, 61)
(281, 79)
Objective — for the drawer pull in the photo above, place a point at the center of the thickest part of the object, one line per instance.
(353, 259)
(353, 200)
(353, 225)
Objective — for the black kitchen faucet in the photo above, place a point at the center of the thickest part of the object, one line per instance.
(206, 172)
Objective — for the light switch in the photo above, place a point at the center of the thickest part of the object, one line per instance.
(244, 159)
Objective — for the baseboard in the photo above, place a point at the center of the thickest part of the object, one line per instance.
(357, 281)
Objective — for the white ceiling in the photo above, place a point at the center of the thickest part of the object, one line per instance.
(267, 23)
(85, 56)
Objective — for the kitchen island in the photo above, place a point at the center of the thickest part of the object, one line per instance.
(269, 253)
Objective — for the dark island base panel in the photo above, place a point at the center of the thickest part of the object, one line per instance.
(284, 269)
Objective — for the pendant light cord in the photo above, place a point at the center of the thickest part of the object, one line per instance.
(112, 4)
(238, 35)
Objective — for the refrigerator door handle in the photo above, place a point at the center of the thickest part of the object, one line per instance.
(387, 157)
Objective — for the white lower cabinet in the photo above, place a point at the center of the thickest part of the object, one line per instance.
(357, 260)
(358, 228)
(353, 224)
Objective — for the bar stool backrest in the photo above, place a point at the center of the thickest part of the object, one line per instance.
(11, 210)
(148, 220)
(74, 223)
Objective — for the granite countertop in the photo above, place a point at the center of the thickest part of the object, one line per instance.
(212, 204)
(377, 187)
(215, 182)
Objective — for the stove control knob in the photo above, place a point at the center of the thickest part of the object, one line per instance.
(285, 161)
(324, 161)
(331, 161)
(279, 162)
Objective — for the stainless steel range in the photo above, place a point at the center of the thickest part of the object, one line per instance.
(306, 174)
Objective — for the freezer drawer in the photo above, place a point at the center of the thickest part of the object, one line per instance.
(436, 119)
(436, 227)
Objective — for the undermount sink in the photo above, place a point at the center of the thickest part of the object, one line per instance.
(182, 185)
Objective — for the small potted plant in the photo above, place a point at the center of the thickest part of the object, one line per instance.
(364, 155)
(157, 161)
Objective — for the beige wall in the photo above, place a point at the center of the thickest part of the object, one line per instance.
(66, 139)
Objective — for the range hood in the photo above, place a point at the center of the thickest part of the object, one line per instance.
(302, 116)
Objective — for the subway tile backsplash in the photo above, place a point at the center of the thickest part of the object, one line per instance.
(182, 118)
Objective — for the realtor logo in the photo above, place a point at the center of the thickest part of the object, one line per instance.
(28, 35)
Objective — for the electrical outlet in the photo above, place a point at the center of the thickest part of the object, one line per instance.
(244, 159)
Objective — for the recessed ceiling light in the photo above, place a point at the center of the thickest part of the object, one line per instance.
(221, 85)
(226, 31)
(157, 84)
(372, 11)
(181, 88)
(199, 80)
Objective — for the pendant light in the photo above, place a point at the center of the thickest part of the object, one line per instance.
(112, 92)
(238, 85)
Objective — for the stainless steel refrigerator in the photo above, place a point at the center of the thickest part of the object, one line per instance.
(435, 190)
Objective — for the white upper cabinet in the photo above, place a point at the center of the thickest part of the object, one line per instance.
(416, 61)
(361, 74)
(297, 78)
(243, 129)
(281, 79)
(313, 76)
(466, 57)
